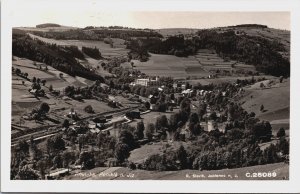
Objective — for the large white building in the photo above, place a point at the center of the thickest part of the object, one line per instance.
(146, 81)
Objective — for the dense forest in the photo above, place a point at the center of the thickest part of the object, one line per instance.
(92, 52)
(262, 53)
(60, 58)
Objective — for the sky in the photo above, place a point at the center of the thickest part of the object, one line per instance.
(80, 14)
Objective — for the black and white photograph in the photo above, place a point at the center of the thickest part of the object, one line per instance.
(100, 93)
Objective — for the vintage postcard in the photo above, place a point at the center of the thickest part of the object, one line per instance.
(110, 93)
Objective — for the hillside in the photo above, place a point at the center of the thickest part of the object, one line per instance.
(264, 48)
(275, 97)
(272, 34)
(117, 49)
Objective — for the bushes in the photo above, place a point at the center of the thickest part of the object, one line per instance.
(87, 160)
(162, 122)
(170, 160)
(89, 109)
(27, 173)
(281, 132)
(122, 152)
(140, 130)
(149, 131)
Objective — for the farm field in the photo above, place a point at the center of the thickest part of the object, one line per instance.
(105, 49)
(275, 99)
(51, 75)
(170, 66)
(24, 102)
(211, 61)
(105, 173)
(197, 67)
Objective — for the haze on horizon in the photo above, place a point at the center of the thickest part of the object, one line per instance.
(82, 15)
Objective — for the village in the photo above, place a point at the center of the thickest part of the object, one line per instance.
(76, 109)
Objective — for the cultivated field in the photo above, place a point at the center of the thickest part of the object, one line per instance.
(211, 61)
(105, 49)
(51, 75)
(204, 63)
(170, 66)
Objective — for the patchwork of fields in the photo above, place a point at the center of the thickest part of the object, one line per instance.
(200, 66)
(210, 60)
(170, 66)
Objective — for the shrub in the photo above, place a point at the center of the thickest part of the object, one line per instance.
(281, 132)
(89, 109)
(132, 166)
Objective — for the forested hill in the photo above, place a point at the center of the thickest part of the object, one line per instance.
(269, 56)
(265, 48)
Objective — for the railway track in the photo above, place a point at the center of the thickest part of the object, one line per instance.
(44, 133)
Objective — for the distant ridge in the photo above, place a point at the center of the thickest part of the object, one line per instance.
(249, 26)
(47, 25)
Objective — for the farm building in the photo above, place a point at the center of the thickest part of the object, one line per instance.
(202, 92)
(208, 126)
(95, 130)
(92, 125)
(180, 84)
(188, 93)
(72, 114)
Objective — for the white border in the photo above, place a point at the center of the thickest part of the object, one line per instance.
(289, 186)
